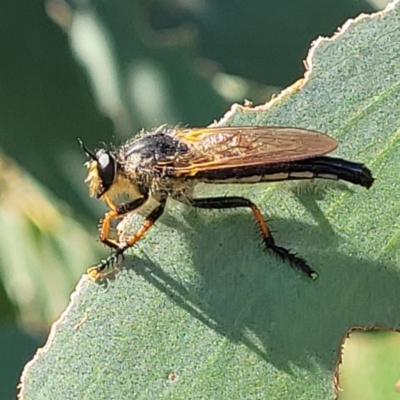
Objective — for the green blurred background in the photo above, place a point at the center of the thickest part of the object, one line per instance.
(102, 70)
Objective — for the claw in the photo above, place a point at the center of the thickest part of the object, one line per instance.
(111, 263)
(94, 273)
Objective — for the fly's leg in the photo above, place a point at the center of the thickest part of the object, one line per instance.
(116, 212)
(96, 271)
(269, 242)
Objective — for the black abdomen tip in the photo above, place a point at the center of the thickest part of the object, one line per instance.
(366, 178)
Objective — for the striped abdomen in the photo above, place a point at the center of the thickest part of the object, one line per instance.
(319, 167)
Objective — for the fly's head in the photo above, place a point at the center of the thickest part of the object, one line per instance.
(107, 177)
(103, 170)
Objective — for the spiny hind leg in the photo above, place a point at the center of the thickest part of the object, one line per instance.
(268, 239)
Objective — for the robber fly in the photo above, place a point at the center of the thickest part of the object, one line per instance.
(168, 162)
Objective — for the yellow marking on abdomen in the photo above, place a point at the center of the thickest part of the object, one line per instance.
(328, 176)
(302, 175)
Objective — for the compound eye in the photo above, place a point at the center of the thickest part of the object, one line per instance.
(106, 169)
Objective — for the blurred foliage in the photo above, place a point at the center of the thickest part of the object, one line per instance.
(51, 255)
(101, 70)
(17, 348)
(369, 367)
(259, 40)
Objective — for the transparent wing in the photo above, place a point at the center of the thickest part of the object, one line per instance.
(234, 147)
